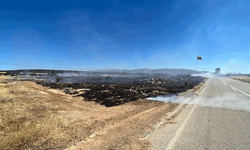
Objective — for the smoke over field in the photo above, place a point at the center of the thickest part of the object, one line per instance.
(231, 98)
(115, 87)
(61, 114)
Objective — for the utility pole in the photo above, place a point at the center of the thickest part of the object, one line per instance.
(198, 58)
(196, 64)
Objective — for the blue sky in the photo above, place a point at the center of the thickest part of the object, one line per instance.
(124, 34)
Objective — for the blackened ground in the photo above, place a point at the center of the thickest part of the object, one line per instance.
(117, 91)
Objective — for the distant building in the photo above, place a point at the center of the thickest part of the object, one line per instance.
(217, 71)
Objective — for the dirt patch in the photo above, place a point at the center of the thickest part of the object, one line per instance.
(126, 131)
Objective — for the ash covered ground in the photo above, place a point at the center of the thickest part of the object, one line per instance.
(112, 89)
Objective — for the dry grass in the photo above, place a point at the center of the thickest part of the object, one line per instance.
(36, 117)
(28, 122)
(242, 78)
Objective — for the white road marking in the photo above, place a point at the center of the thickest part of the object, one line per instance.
(240, 91)
(223, 82)
(181, 106)
(237, 89)
(178, 133)
(233, 88)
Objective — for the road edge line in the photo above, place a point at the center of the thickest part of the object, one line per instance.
(178, 132)
(182, 105)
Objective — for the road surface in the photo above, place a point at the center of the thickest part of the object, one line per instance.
(218, 118)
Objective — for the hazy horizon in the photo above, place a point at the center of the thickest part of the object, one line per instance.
(104, 69)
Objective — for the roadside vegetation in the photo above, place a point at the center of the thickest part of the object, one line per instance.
(36, 117)
(27, 121)
(242, 78)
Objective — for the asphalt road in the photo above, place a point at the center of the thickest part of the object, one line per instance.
(218, 118)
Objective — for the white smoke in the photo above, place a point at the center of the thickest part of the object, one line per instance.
(207, 75)
(72, 74)
(227, 100)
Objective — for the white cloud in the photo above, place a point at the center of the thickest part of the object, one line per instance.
(236, 65)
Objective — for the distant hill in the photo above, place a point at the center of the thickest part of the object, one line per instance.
(153, 71)
(134, 71)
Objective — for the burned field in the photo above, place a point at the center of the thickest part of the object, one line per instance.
(58, 112)
(113, 91)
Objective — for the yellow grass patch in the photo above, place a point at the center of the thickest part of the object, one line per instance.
(26, 120)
